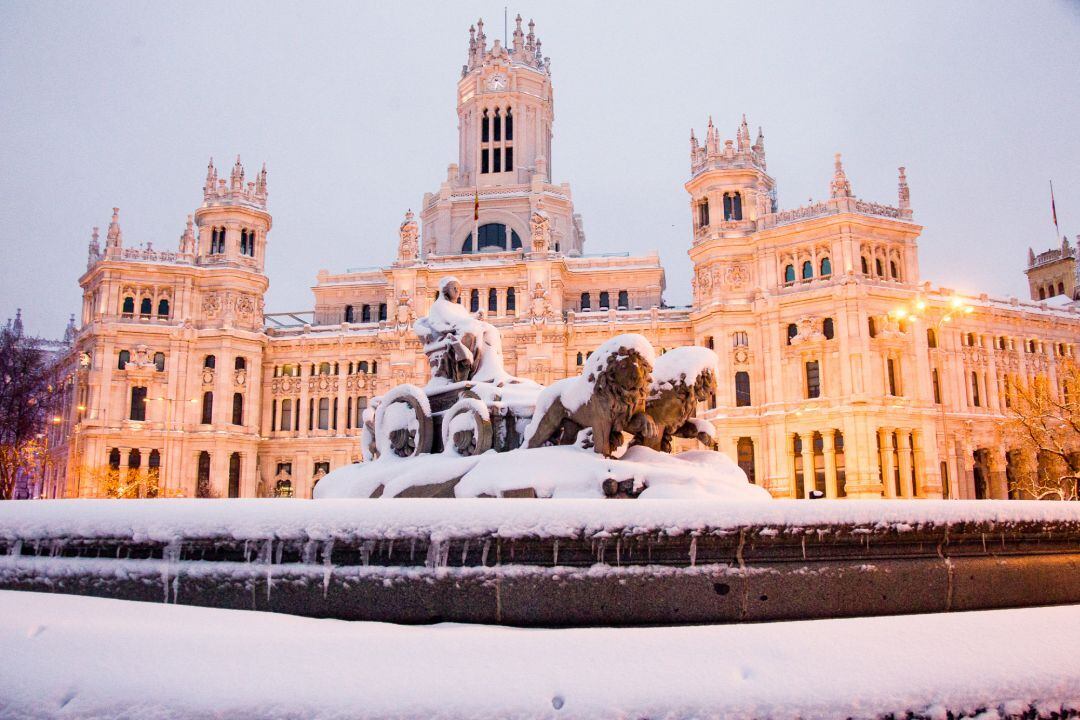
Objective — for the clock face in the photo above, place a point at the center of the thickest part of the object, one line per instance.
(497, 82)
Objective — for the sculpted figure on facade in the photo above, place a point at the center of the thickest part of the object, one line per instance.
(458, 344)
(540, 308)
(404, 316)
(540, 225)
(809, 330)
(408, 243)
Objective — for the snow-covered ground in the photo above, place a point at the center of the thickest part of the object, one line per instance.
(167, 520)
(80, 657)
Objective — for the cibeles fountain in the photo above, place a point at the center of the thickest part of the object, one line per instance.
(476, 431)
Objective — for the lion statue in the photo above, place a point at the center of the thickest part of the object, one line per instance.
(608, 398)
(682, 378)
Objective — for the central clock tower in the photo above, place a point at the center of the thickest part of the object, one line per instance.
(504, 111)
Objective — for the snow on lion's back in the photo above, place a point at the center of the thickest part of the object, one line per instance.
(684, 362)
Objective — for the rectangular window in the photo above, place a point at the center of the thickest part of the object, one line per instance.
(484, 161)
(496, 124)
(509, 159)
(333, 417)
(348, 413)
(382, 312)
(975, 390)
(361, 405)
(311, 415)
(813, 379)
(937, 386)
(324, 413)
(286, 415)
(138, 403)
(273, 415)
(624, 300)
(739, 339)
(894, 387)
(496, 164)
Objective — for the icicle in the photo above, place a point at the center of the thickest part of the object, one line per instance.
(484, 553)
(328, 568)
(618, 551)
(693, 551)
(277, 553)
(555, 553)
(412, 550)
(433, 553)
(802, 541)
(465, 545)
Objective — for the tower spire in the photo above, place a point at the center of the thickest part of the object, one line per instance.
(903, 192)
(114, 238)
(840, 186)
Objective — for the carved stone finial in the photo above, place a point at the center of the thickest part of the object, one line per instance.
(840, 186)
(903, 192)
(114, 238)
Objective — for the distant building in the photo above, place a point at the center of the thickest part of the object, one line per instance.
(841, 370)
(1054, 273)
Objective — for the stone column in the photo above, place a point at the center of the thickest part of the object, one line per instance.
(885, 435)
(998, 481)
(903, 452)
(828, 440)
(809, 475)
(790, 463)
(922, 487)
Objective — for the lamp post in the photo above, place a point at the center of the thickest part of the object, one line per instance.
(957, 307)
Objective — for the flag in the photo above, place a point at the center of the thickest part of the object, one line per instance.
(1053, 206)
(476, 206)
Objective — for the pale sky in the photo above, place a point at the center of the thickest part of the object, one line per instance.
(352, 106)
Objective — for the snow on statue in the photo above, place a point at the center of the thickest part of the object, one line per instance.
(476, 431)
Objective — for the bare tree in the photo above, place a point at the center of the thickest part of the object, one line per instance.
(1046, 420)
(24, 398)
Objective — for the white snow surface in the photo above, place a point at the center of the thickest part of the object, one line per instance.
(174, 661)
(682, 364)
(570, 472)
(439, 519)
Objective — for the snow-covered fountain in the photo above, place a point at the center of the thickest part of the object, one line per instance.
(476, 431)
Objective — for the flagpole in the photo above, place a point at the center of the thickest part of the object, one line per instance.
(1053, 213)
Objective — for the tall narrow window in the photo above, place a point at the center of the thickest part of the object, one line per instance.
(742, 389)
(744, 452)
(202, 486)
(937, 386)
(114, 459)
(605, 301)
(240, 363)
(484, 163)
(703, 213)
(128, 308)
(286, 415)
(807, 270)
(585, 301)
(138, 404)
(163, 309)
(365, 314)
(207, 407)
(878, 268)
(865, 265)
(273, 415)
(931, 338)
(509, 158)
(493, 300)
(159, 361)
(509, 123)
(348, 413)
(485, 133)
(234, 475)
(624, 300)
(975, 390)
(333, 415)
(792, 331)
(474, 300)
(382, 312)
(789, 274)
(511, 300)
(348, 313)
(828, 329)
(826, 267)
(893, 380)
(496, 121)
(580, 359)
(238, 409)
(123, 359)
(813, 379)
(146, 306)
(893, 272)
(324, 413)
(496, 160)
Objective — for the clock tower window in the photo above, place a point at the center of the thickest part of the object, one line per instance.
(496, 137)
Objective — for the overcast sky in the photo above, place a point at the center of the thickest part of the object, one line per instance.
(352, 106)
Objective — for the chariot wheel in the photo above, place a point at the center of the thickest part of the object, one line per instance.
(403, 426)
(466, 427)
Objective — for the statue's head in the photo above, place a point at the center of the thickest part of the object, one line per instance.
(450, 289)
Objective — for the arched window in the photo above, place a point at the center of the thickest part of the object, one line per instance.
(134, 459)
(474, 300)
(163, 309)
(1042, 293)
(209, 362)
(792, 331)
(146, 306)
(365, 314)
(348, 313)
(742, 389)
(807, 270)
(362, 366)
(872, 326)
(240, 363)
(159, 361)
(493, 300)
(508, 122)
(207, 407)
(624, 300)
(324, 368)
(893, 272)
(492, 239)
(880, 272)
(827, 329)
(496, 126)
(931, 338)
(234, 475)
(238, 409)
(202, 479)
(865, 265)
(114, 459)
(789, 274)
(511, 300)
(585, 301)
(826, 267)
(1061, 288)
(744, 453)
(605, 300)
(123, 359)
(128, 308)
(703, 213)
(485, 132)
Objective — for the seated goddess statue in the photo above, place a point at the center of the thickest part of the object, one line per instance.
(460, 345)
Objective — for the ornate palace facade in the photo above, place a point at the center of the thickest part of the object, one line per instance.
(841, 369)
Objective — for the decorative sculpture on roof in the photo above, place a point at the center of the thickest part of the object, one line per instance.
(540, 225)
(408, 245)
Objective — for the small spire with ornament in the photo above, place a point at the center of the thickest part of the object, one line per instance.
(114, 238)
(903, 191)
(840, 187)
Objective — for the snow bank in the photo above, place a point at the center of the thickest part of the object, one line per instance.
(570, 472)
(171, 661)
(393, 474)
(295, 519)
